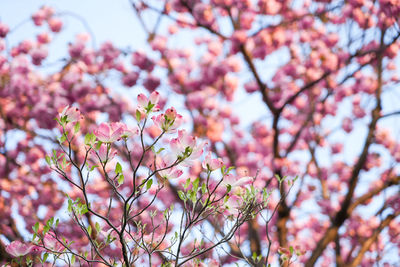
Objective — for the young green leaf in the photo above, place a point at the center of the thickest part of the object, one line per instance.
(149, 183)
(73, 259)
(118, 168)
(121, 178)
(89, 229)
(35, 227)
(138, 115)
(182, 195)
(77, 127)
(97, 225)
(186, 185)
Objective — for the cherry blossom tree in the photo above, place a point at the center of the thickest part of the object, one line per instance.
(299, 96)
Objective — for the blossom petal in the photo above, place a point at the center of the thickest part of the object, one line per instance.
(103, 133)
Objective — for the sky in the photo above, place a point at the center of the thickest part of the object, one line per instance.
(108, 20)
(105, 20)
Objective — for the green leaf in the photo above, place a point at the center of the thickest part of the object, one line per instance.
(63, 138)
(93, 167)
(89, 229)
(278, 177)
(35, 227)
(186, 185)
(97, 225)
(138, 115)
(196, 184)
(226, 198)
(77, 127)
(193, 195)
(45, 256)
(188, 150)
(203, 188)
(149, 107)
(165, 213)
(149, 183)
(254, 256)
(223, 168)
(160, 150)
(118, 168)
(88, 139)
(63, 119)
(50, 221)
(291, 250)
(84, 209)
(121, 178)
(98, 145)
(57, 120)
(48, 160)
(69, 205)
(73, 259)
(228, 188)
(64, 162)
(230, 168)
(182, 195)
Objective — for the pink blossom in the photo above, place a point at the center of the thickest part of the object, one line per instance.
(233, 205)
(51, 243)
(203, 13)
(129, 131)
(347, 125)
(159, 43)
(48, 11)
(229, 179)
(147, 105)
(3, 29)
(19, 249)
(25, 46)
(337, 148)
(212, 164)
(39, 17)
(73, 114)
(108, 133)
(142, 61)
(215, 129)
(43, 38)
(151, 83)
(168, 122)
(130, 79)
(55, 24)
(270, 7)
(38, 55)
(109, 52)
(75, 50)
(169, 172)
(251, 87)
(186, 146)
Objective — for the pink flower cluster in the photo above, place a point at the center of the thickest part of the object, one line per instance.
(19, 249)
